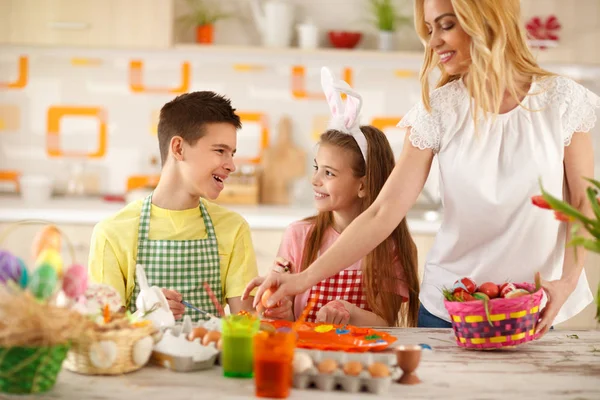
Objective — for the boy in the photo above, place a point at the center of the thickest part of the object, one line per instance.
(181, 239)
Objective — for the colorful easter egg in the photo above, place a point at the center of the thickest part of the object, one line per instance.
(50, 257)
(506, 289)
(466, 283)
(10, 269)
(47, 238)
(24, 278)
(43, 281)
(490, 289)
(75, 281)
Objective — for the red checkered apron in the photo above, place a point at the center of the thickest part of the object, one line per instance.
(346, 285)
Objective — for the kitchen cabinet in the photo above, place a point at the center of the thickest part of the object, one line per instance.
(89, 23)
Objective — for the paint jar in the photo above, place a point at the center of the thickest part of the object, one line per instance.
(273, 356)
(237, 354)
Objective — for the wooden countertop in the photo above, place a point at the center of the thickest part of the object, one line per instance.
(561, 365)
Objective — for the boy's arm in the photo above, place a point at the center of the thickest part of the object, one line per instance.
(242, 269)
(103, 265)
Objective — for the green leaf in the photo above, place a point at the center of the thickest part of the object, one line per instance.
(487, 311)
(592, 195)
(593, 182)
(592, 226)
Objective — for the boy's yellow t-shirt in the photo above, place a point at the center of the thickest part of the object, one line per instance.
(114, 244)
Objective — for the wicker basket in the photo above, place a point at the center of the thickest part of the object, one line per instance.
(511, 321)
(112, 352)
(30, 369)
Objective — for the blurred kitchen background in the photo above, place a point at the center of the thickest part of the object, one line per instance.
(82, 82)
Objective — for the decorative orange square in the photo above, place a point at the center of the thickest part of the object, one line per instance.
(385, 122)
(22, 77)
(136, 81)
(264, 137)
(299, 83)
(11, 176)
(56, 113)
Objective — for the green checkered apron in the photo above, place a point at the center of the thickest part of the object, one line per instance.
(181, 265)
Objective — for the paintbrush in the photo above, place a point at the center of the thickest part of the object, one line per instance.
(185, 303)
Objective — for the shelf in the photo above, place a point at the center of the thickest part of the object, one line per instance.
(251, 56)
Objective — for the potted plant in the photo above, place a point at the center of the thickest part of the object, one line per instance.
(563, 211)
(387, 19)
(202, 16)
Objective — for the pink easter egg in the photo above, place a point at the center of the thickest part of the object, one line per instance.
(75, 281)
(10, 268)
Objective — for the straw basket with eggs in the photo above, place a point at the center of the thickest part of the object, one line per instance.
(36, 333)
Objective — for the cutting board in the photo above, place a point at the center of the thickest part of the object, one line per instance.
(283, 163)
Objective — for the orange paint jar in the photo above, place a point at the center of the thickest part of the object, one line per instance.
(273, 356)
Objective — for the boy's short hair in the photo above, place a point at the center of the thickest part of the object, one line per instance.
(187, 115)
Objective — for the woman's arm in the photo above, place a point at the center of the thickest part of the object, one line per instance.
(368, 230)
(579, 164)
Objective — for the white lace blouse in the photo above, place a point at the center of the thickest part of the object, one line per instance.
(491, 231)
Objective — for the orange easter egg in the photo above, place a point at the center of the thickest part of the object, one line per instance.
(211, 336)
(265, 297)
(47, 238)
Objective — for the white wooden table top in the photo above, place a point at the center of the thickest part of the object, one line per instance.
(562, 365)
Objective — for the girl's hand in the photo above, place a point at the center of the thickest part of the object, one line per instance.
(335, 312)
(284, 310)
(174, 299)
(558, 292)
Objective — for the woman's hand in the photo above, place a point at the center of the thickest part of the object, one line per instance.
(335, 312)
(283, 285)
(174, 299)
(558, 292)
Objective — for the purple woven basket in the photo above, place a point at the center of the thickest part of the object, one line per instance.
(511, 321)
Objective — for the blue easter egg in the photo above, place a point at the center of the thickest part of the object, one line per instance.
(43, 281)
(10, 269)
(24, 279)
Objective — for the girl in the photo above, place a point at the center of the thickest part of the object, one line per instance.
(382, 288)
(497, 123)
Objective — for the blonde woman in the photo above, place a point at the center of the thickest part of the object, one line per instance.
(497, 123)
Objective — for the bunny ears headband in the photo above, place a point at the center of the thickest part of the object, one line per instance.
(344, 115)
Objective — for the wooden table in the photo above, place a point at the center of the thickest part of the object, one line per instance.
(562, 365)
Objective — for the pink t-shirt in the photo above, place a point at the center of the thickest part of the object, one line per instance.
(292, 247)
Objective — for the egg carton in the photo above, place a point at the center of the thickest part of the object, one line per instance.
(186, 363)
(342, 357)
(337, 380)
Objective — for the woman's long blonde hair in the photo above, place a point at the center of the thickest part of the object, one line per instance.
(380, 280)
(500, 58)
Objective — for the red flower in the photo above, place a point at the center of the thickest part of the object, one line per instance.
(540, 202)
(562, 217)
(543, 30)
